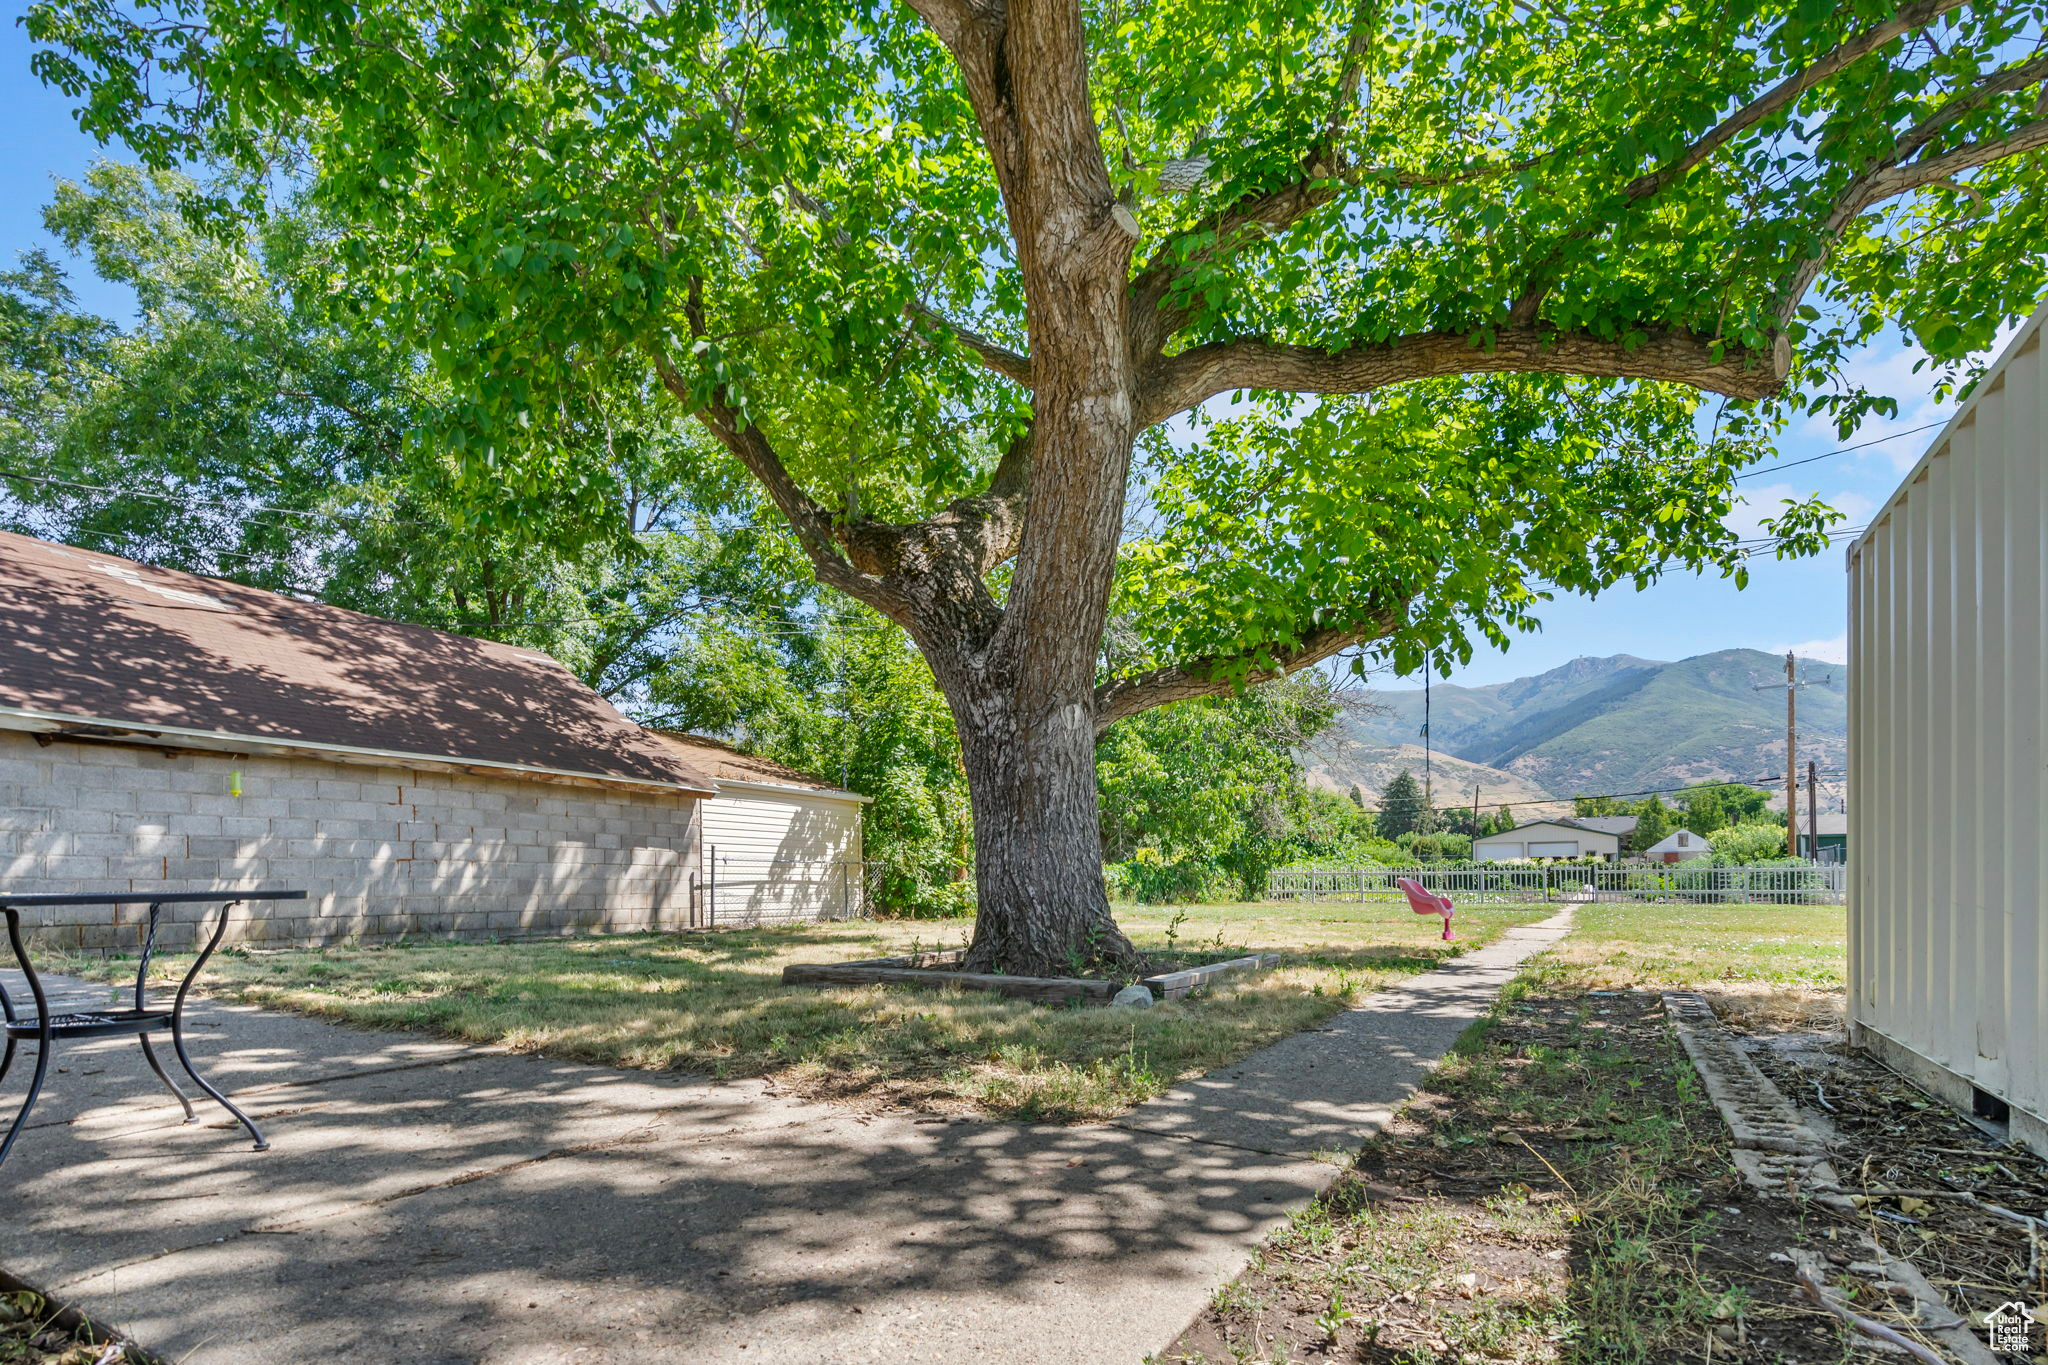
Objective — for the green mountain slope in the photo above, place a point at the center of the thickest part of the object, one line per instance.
(1617, 724)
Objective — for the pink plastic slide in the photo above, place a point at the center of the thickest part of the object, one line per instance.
(1426, 903)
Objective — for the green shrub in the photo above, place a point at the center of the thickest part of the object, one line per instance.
(1747, 845)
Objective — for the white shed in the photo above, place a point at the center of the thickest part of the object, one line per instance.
(777, 844)
(1568, 836)
(1679, 846)
(1948, 591)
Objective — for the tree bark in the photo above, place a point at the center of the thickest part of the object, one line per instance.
(1043, 909)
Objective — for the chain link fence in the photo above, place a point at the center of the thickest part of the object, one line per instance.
(744, 893)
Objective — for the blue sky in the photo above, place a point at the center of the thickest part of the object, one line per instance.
(1800, 605)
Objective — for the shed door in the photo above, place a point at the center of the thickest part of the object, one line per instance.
(774, 857)
(1567, 849)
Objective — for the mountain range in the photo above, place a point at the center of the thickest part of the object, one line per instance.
(1592, 726)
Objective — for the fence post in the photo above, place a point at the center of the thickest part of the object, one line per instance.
(711, 891)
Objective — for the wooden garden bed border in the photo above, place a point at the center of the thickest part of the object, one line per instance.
(927, 970)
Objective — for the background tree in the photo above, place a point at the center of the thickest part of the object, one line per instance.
(832, 689)
(936, 274)
(52, 356)
(1214, 787)
(1431, 846)
(1601, 805)
(1718, 805)
(238, 428)
(1703, 811)
(1653, 824)
(1401, 807)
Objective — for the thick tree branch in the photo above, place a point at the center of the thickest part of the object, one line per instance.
(1215, 676)
(2002, 82)
(1893, 175)
(1932, 170)
(1790, 89)
(1542, 275)
(963, 541)
(812, 523)
(1179, 382)
(992, 354)
(954, 21)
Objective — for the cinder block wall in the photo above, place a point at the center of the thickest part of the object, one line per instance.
(380, 852)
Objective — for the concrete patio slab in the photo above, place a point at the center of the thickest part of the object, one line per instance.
(430, 1202)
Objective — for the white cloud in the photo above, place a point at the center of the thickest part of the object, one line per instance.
(1888, 368)
(1830, 651)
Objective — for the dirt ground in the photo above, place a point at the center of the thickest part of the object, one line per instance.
(31, 1333)
(1934, 1188)
(1563, 1192)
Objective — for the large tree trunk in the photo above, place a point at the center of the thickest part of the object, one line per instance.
(1043, 909)
(1019, 674)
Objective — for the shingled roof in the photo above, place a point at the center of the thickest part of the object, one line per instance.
(94, 643)
(729, 764)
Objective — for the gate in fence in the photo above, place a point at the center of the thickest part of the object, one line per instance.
(1811, 884)
(741, 892)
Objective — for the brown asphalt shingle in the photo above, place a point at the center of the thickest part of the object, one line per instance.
(723, 761)
(100, 638)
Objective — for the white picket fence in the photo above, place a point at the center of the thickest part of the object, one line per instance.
(1813, 884)
(1464, 884)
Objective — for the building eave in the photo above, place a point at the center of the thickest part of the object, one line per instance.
(791, 789)
(59, 725)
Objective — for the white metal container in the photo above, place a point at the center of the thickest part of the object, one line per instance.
(1948, 588)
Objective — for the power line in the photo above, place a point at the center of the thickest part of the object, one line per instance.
(1768, 783)
(1830, 454)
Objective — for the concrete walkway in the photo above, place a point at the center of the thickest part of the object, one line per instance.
(428, 1201)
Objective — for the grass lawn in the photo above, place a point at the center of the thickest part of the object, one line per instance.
(1560, 1191)
(715, 1003)
(1764, 966)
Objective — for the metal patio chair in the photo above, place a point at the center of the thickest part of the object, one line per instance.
(139, 1019)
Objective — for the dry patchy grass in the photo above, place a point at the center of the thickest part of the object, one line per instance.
(1560, 1191)
(1765, 967)
(715, 1003)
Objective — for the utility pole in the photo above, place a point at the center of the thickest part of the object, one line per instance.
(1793, 682)
(1475, 810)
(1791, 756)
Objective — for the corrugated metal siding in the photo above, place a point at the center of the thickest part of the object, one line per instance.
(780, 857)
(1948, 671)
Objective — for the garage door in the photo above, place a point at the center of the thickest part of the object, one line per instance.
(1567, 849)
(774, 857)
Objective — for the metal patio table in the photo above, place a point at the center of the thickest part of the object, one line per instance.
(138, 1019)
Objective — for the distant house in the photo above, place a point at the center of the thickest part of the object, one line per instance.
(161, 731)
(1681, 845)
(1568, 836)
(1833, 844)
